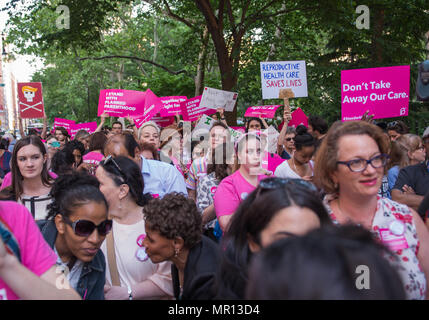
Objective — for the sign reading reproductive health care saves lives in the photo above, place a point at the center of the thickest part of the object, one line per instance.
(283, 75)
(121, 103)
(382, 91)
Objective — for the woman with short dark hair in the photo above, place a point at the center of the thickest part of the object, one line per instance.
(173, 233)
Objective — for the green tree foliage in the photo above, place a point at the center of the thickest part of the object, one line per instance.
(157, 44)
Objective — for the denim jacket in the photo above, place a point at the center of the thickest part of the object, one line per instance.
(91, 281)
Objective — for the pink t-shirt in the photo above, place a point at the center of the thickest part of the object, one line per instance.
(230, 192)
(36, 255)
(7, 181)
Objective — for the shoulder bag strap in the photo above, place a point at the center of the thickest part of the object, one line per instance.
(111, 257)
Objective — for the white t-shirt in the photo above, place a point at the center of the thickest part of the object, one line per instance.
(130, 269)
(286, 172)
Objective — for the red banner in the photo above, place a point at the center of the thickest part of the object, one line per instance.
(30, 98)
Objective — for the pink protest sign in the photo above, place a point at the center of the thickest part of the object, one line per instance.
(152, 106)
(121, 103)
(262, 111)
(191, 109)
(298, 117)
(382, 91)
(68, 124)
(163, 121)
(90, 127)
(239, 129)
(171, 105)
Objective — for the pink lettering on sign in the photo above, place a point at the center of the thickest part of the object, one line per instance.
(382, 91)
(191, 109)
(298, 117)
(171, 105)
(121, 103)
(90, 127)
(262, 111)
(239, 129)
(152, 106)
(67, 124)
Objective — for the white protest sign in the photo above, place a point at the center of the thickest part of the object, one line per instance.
(218, 99)
(279, 75)
(203, 127)
(273, 136)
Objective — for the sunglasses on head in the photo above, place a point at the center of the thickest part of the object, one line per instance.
(277, 183)
(392, 124)
(84, 228)
(110, 159)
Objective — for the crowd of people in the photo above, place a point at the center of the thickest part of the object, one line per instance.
(126, 213)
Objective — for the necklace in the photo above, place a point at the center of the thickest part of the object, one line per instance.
(296, 170)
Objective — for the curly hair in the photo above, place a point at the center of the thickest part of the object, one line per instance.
(175, 216)
(71, 191)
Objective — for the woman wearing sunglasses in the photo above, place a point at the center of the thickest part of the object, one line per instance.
(130, 274)
(277, 208)
(31, 181)
(349, 168)
(75, 228)
(247, 173)
(52, 146)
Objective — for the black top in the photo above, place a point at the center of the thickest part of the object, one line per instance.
(423, 209)
(200, 271)
(416, 176)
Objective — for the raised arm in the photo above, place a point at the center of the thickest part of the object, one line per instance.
(103, 120)
(45, 125)
(135, 130)
(286, 118)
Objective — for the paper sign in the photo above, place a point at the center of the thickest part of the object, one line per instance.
(90, 127)
(382, 91)
(283, 75)
(152, 106)
(30, 97)
(298, 117)
(204, 125)
(171, 105)
(218, 99)
(262, 111)
(191, 109)
(121, 103)
(67, 124)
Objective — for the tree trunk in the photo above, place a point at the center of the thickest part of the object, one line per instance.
(156, 41)
(202, 61)
(427, 45)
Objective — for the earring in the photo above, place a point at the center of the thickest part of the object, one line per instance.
(176, 252)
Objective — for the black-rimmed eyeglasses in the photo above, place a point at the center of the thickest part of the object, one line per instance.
(359, 165)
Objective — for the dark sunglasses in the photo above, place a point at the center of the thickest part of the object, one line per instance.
(289, 139)
(277, 183)
(84, 228)
(392, 124)
(110, 159)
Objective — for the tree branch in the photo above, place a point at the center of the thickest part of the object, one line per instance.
(136, 59)
(170, 13)
(231, 17)
(220, 15)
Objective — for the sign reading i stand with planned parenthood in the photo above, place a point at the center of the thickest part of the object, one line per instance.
(384, 92)
(283, 75)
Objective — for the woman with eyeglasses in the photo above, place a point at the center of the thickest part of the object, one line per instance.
(130, 274)
(407, 150)
(31, 180)
(349, 168)
(75, 228)
(246, 175)
(300, 165)
(276, 209)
